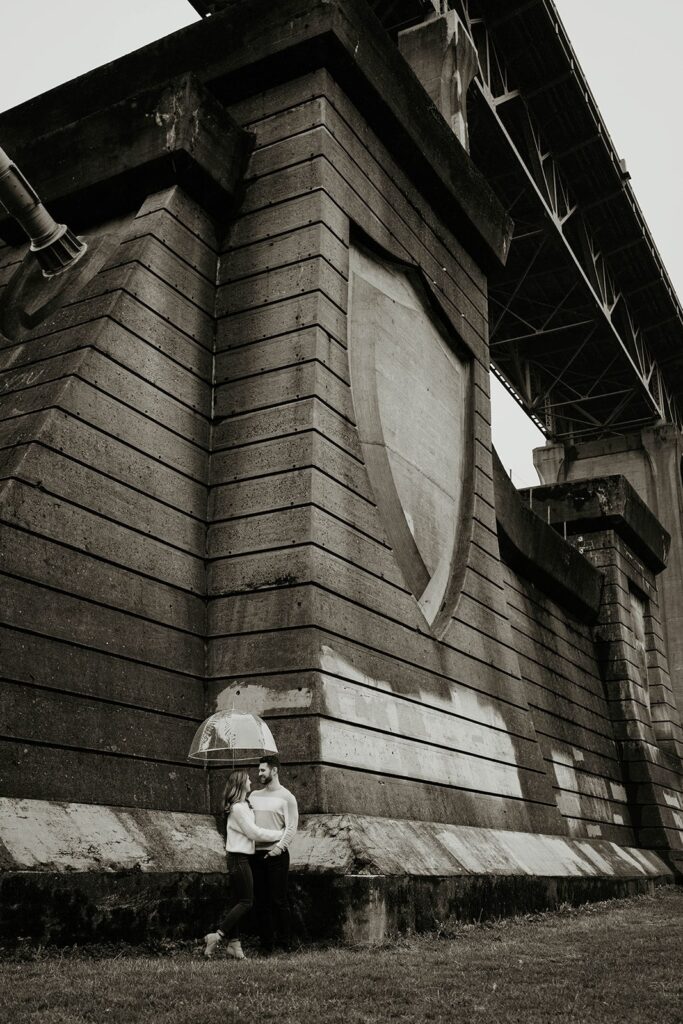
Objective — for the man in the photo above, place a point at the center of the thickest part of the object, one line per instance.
(274, 808)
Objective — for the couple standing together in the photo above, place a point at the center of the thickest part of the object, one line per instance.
(258, 832)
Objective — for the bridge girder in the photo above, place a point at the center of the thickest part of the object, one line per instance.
(586, 366)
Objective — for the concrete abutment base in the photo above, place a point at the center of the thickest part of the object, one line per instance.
(86, 873)
(47, 908)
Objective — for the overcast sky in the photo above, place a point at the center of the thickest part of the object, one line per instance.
(629, 52)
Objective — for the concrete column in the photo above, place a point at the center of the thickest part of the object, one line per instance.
(549, 462)
(442, 54)
(664, 449)
(652, 462)
(607, 522)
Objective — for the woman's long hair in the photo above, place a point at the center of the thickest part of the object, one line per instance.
(235, 788)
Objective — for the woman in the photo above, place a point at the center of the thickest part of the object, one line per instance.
(241, 834)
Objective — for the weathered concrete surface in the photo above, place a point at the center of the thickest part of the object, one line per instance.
(616, 531)
(535, 550)
(39, 835)
(82, 872)
(382, 846)
(105, 424)
(443, 56)
(63, 908)
(111, 160)
(105, 427)
(652, 462)
(43, 835)
(603, 503)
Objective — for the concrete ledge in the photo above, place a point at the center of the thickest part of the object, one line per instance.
(535, 550)
(41, 835)
(352, 844)
(83, 873)
(604, 503)
(108, 162)
(46, 835)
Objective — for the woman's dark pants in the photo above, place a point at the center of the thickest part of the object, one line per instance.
(241, 894)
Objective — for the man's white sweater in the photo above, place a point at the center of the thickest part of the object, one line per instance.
(275, 809)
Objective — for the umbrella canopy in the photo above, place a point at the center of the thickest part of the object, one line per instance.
(232, 737)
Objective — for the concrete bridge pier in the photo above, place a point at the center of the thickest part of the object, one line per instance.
(250, 464)
(652, 461)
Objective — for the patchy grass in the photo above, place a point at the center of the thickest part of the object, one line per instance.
(618, 961)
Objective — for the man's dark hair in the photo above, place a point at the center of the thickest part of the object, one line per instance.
(272, 759)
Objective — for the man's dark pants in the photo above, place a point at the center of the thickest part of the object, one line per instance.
(271, 903)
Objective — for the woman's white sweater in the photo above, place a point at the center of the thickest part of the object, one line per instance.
(242, 831)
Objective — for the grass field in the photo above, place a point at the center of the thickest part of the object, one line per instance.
(606, 962)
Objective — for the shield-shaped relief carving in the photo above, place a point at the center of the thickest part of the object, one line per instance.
(411, 392)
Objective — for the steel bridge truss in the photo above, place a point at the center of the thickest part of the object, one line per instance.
(564, 338)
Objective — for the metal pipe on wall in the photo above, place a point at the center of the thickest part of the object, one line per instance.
(55, 246)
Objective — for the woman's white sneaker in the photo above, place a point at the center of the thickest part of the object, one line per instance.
(211, 940)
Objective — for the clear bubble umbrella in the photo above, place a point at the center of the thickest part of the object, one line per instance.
(232, 737)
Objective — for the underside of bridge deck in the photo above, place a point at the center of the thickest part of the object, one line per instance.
(585, 324)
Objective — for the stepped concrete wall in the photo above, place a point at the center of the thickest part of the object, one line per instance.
(106, 412)
(615, 530)
(106, 422)
(652, 462)
(386, 718)
(569, 709)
